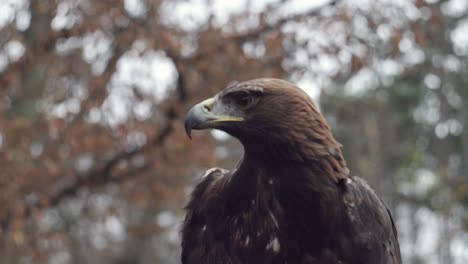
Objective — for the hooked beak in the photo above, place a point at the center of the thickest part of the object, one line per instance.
(202, 116)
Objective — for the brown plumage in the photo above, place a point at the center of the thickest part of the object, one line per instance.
(291, 199)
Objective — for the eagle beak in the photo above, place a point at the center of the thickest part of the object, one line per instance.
(202, 116)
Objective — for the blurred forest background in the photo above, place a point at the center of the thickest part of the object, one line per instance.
(94, 163)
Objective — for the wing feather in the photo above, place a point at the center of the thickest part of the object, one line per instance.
(195, 235)
(370, 223)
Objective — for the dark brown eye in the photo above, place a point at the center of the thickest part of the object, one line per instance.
(243, 101)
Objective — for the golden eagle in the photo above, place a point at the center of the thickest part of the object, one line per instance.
(291, 199)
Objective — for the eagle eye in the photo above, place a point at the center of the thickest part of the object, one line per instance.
(243, 100)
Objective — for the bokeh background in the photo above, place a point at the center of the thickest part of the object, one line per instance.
(94, 163)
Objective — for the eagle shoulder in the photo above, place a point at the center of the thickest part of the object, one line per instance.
(215, 172)
(371, 224)
(194, 231)
(208, 186)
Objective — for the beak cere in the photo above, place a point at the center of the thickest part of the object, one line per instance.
(203, 116)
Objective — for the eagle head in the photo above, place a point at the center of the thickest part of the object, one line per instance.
(274, 119)
(253, 109)
(270, 115)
